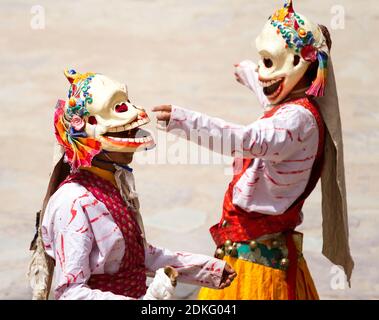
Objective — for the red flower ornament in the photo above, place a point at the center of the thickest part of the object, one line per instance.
(309, 53)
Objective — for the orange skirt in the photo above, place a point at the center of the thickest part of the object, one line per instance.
(258, 282)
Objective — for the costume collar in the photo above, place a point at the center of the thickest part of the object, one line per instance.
(293, 96)
(102, 173)
(123, 166)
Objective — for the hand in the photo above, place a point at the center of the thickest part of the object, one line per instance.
(238, 77)
(163, 113)
(172, 274)
(227, 277)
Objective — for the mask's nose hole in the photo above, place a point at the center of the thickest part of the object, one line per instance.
(92, 120)
(121, 107)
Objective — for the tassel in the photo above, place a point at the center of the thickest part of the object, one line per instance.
(41, 269)
(317, 89)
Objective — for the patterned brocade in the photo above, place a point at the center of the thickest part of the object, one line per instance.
(269, 257)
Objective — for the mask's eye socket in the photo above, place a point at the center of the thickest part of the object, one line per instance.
(268, 63)
(122, 107)
(92, 120)
(296, 60)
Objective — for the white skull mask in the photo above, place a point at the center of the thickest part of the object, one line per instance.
(113, 120)
(110, 117)
(286, 53)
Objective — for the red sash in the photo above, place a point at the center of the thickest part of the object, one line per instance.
(130, 280)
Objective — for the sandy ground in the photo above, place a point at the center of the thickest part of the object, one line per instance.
(179, 52)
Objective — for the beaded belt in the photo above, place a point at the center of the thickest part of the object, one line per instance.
(270, 251)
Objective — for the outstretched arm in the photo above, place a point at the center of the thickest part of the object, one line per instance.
(274, 138)
(270, 138)
(194, 269)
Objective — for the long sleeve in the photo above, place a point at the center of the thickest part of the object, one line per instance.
(275, 138)
(193, 269)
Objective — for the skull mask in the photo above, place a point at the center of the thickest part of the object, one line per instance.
(288, 44)
(98, 115)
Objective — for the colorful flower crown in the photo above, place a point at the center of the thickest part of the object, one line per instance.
(70, 125)
(291, 27)
(78, 94)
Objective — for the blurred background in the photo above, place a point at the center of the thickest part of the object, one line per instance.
(177, 52)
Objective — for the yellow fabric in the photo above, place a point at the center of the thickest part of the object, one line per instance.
(102, 173)
(258, 282)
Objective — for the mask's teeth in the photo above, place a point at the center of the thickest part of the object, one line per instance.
(130, 126)
(132, 140)
(269, 83)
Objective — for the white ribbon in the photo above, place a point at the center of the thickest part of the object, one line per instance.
(126, 184)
